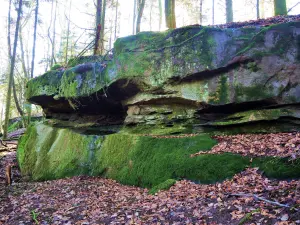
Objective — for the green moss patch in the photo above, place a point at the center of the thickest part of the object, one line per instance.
(51, 153)
(147, 161)
(162, 186)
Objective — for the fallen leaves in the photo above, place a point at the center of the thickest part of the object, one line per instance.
(279, 144)
(260, 22)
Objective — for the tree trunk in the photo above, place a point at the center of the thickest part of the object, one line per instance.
(53, 60)
(201, 12)
(103, 27)
(229, 11)
(19, 109)
(160, 14)
(116, 20)
(170, 14)
(33, 51)
(34, 37)
(141, 7)
(98, 27)
(213, 12)
(280, 7)
(150, 19)
(257, 9)
(25, 71)
(11, 74)
(134, 16)
(262, 9)
(68, 34)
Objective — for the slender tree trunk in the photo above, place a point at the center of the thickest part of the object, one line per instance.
(116, 20)
(33, 51)
(98, 28)
(103, 27)
(229, 11)
(170, 14)
(110, 34)
(262, 9)
(134, 16)
(150, 19)
(34, 37)
(53, 60)
(68, 34)
(160, 14)
(257, 9)
(11, 75)
(19, 109)
(25, 71)
(201, 12)
(1, 120)
(280, 7)
(213, 12)
(141, 7)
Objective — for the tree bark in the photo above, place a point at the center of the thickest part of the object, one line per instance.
(103, 27)
(19, 109)
(68, 34)
(150, 19)
(53, 60)
(98, 27)
(280, 7)
(11, 74)
(33, 51)
(34, 37)
(116, 20)
(134, 16)
(257, 9)
(213, 12)
(170, 14)
(141, 6)
(229, 11)
(201, 12)
(25, 71)
(262, 9)
(160, 14)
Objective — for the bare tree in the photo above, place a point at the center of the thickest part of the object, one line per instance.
(134, 16)
(98, 27)
(11, 74)
(229, 11)
(170, 14)
(257, 9)
(103, 26)
(213, 12)
(160, 14)
(116, 19)
(201, 12)
(141, 6)
(280, 7)
(19, 109)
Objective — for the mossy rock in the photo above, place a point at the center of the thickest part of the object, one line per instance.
(56, 67)
(51, 153)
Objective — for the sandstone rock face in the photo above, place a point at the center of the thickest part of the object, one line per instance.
(192, 78)
(188, 80)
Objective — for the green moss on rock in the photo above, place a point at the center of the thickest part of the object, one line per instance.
(51, 153)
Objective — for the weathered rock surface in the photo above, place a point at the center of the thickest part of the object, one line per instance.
(194, 77)
(189, 80)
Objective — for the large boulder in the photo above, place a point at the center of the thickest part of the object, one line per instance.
(102, 112)
(189, 76)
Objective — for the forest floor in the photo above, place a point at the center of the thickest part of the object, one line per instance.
(247, 198)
